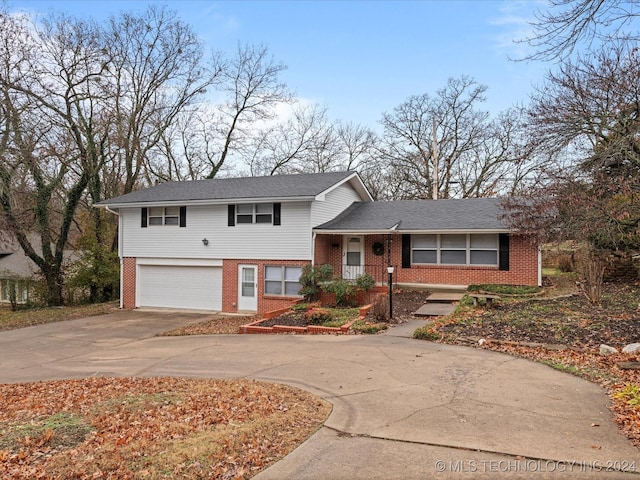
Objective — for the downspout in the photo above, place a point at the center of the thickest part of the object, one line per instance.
(115, 212)
(539, 266)
(313, 247)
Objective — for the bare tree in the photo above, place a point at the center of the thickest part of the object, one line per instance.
(474, 153)
(566, 24)
(587, 117)
(85, 108)
(157, 70)
(252, 88)
(591, 108)
(48, 88)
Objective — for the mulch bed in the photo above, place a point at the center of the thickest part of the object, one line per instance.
(405, 302)
(569, 320)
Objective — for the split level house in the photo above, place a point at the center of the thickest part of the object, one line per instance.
(239, 244)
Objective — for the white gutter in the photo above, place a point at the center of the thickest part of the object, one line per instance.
(106, 207)
(414, 232)
(235, 201)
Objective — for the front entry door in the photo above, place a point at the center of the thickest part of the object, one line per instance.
(353, 257)
(248, 288)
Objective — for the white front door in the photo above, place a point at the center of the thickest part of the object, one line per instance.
(352, 257)
(248, 288)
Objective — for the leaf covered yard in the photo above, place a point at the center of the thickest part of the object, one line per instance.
(151, 427)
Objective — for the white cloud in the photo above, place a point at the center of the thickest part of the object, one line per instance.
(514, 25)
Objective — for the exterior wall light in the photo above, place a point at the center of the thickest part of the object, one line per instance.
(205, 242)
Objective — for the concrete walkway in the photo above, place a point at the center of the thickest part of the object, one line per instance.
(402, 408)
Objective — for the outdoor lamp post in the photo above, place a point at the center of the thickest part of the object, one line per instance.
(390, 272)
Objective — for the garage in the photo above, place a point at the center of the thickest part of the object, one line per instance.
(172, 286)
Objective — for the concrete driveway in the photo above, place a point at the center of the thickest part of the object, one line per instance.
(402, 408)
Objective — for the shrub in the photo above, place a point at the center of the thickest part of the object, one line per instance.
(318, 316)
(566, 263)
(380, 309)
(425, 333)
(368, 328)
(300, 307)
(344, 291)
(311, 279)
(505, 289)
(630, 394)
(365, 282)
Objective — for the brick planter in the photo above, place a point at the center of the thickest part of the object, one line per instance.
(255, 327)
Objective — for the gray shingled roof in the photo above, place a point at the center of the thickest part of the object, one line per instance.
(276, 186)
(420, 215)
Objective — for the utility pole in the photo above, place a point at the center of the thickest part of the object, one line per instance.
(434, 189)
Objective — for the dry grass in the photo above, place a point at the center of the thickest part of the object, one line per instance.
(151, 428)
(10, 320)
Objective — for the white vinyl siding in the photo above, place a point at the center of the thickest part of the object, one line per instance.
(336, 201)
(455, 249)
(290, 240)
(179, 286)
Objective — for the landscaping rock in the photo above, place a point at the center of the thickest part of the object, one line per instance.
(631, 348)
(607, 350)
(628, 365)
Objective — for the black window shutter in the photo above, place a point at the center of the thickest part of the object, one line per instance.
(406, 250)
(231, 216)
(143, 218)
(276, 213)
(183, 216)
(503, 262)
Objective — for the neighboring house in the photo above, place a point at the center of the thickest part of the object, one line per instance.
(16, 271)
(239, 244)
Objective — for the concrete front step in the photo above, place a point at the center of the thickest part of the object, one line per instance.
(445, 297)
(434, 310)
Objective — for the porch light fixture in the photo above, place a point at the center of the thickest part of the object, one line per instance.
(205, 242)
(390, 281)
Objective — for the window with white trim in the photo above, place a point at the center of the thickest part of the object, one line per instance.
(455, 249)
(18, 287)
(164, 215)
(282, 280)
(254, 213)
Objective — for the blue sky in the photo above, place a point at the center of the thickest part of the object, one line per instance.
(361, 58)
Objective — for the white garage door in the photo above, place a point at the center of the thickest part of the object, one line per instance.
(180, 287)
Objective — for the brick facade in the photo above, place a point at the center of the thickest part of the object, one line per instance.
(523, 263)
(265, 302)
(128, 282)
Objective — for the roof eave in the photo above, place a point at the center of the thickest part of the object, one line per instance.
(358, 185)
(414, 232)
(225, 201)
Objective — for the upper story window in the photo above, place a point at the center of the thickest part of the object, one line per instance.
(164, 216)
(455, 249)
(268, 213)
(254, 213)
